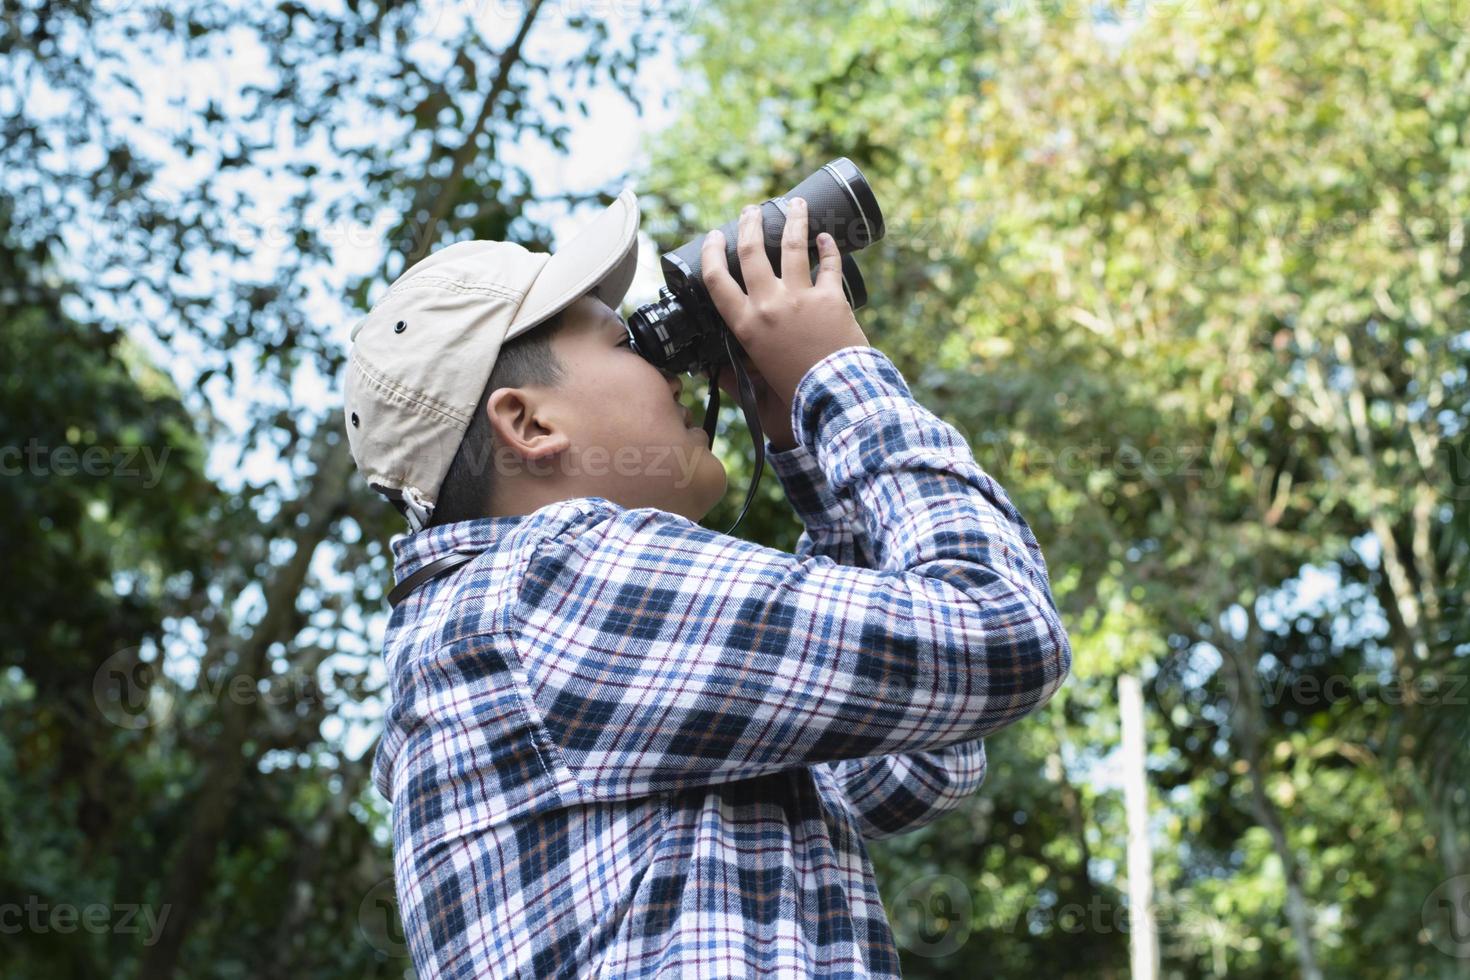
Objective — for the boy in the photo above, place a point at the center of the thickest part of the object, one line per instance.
(622, 744)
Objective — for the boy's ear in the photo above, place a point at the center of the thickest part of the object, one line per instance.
(520, 427)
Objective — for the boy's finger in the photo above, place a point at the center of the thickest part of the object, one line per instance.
(829, 264)
(755, 266)
(721, 286)
(796, 266)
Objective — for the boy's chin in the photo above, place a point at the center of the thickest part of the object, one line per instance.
(717, 491)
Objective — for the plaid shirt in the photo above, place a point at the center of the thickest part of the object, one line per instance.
(623, 744)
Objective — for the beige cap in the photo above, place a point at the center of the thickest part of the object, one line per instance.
(421, 357)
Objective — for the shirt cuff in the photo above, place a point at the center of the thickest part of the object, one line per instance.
(841, 389)
(806, 487)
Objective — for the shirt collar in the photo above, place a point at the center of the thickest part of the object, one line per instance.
(413, 551)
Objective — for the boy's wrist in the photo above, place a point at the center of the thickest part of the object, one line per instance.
(841, 389)
(780, 442)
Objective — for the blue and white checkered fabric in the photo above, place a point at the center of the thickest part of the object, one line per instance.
(622, 744)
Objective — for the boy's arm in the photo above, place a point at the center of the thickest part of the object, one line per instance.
(659, 654)
(890, 794)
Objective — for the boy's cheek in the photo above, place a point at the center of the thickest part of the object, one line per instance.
(688, 464)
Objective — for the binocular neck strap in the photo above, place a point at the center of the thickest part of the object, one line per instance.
(752, 420)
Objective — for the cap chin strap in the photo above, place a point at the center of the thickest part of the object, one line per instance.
(410, 503)
(416, 509)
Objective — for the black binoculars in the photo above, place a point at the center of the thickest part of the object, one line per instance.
(682, 331)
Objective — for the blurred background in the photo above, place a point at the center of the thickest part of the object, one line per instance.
(1189, 275)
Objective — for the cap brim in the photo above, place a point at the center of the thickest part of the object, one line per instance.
(602, 258)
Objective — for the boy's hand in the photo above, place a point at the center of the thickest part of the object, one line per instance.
(785, 324)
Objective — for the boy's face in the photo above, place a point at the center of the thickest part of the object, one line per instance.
(614, 428)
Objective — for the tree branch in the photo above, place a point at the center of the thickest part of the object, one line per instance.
(448, 191)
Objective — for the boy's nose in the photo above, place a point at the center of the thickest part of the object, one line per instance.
(676, 381)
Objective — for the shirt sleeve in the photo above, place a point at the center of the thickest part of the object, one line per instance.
(898, 793)
(829, 526)
(660, 654)
(890, 794)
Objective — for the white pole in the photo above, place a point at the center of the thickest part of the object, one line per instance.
(1143, 937)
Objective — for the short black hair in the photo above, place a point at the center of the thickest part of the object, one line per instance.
(525, 360)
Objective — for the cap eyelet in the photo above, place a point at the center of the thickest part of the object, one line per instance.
(354, 420)
(399, 327)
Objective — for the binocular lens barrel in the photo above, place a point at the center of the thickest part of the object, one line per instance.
(839, 202)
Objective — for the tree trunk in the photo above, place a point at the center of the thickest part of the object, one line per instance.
(1143, 935)
(1248, 725)
(448, 195)
(192, 870)
(300, 897)
(1452, 857)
